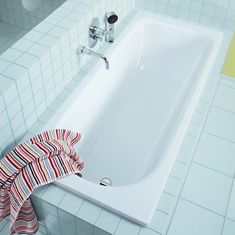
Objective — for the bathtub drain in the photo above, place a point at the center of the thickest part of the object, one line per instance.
(106, 182)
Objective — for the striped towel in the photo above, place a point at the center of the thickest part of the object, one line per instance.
(39, 161)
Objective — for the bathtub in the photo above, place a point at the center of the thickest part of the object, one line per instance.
(133, 117)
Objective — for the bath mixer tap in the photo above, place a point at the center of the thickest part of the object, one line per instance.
(86, 51)
(97, 33)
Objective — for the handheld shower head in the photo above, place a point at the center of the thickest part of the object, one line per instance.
(112, 17)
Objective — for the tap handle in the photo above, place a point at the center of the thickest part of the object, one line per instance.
(96, 32)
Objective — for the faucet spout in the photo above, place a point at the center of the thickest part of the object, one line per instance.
(105, 61)
(86, 51)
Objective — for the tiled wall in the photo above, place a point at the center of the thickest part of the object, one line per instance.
(39, 66)
(216, 13)
(13, 12)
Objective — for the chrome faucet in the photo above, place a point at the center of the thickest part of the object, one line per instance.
(86, 51)
(97, 33)
(111, 18)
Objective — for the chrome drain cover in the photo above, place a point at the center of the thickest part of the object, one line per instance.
(106, 182)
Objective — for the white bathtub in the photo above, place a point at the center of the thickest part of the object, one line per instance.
(133, 117)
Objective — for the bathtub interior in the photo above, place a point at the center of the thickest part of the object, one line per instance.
(124, 127)
(17, 19)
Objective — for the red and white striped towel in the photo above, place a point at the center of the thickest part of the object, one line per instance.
(39, 161)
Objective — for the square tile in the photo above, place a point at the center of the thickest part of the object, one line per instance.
(207, 188)
(89, 212)
(108, 221)
(43, 27)
(127, 227)
(159, 222)
(71, 203)
(22, 44)
(216, 153)
(23, 82)
(67, 226)
(179, 170)
(188, 141)
(42, 52)
(173, 186)
(3, 119)
(14, 71)
(52, 224)
(33, 35)
(231, 207)
(53, 195)
(3, 65)
(31, 119)
(28, 107)
(27, 60)
(166, 203)
(184, 155)
(224, 98)
(11, 54)
(221, 123)
(229, 227)
(194, 220)
(10, 93)
(2, 105)
(5, 83)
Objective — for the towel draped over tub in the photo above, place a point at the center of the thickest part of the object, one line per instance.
(39, 161)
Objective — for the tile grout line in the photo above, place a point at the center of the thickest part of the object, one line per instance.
(212, 169)
(205, 208)
(219, 137)
(223, 109)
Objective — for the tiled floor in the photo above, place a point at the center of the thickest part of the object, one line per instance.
(9, 34)
(206, 205)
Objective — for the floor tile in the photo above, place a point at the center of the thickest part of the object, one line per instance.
(228, 68)
(207, 188)
(221, 123)
(193, 220)
(226, 81)
(229, 227)
(225, 97)
(216, 153)
(231, 207)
